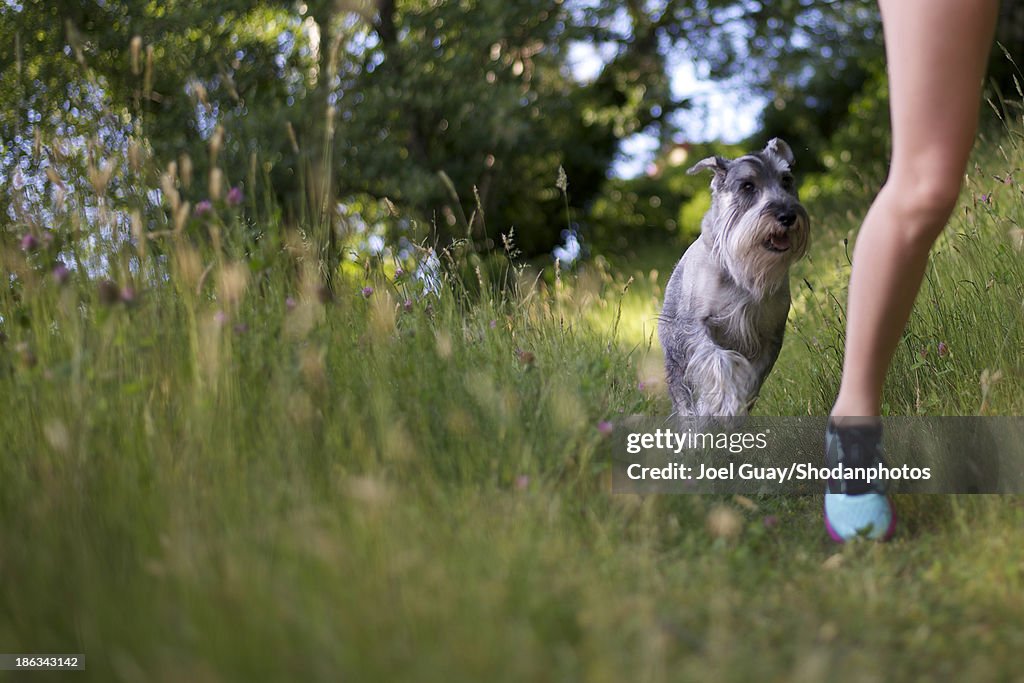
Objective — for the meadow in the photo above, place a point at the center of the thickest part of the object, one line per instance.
(217, 468)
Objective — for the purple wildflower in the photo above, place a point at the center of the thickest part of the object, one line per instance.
(235, 196)
(220, 317)
(127, 295)
(605, 428)
(399, 273)
(203, 207)
(407, 306)
(493, 324)
(60, 273)
(367, 291)
(522, 482)
(943, 350)
(290, 303)
(771, 521)
(29, 242)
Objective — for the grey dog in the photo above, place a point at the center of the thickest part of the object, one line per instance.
(726, 304)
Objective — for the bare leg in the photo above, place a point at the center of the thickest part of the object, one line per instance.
(936, 52)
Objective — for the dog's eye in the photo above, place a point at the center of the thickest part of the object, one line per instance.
(748, 187)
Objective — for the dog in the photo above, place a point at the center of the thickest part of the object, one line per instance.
(726, 304)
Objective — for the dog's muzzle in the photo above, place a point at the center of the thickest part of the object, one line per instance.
(780, 236)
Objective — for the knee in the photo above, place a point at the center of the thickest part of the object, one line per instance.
(924, 204)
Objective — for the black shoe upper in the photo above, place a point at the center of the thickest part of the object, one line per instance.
(854, 446)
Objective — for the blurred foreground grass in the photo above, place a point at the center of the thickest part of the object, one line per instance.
(225, 472)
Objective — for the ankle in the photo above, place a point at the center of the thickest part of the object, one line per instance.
(853, 408)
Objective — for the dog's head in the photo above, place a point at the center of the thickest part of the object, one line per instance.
(756, 226)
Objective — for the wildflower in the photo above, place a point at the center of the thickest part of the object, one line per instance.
(641, 386)
(522, 482)
(923, 352)
(984, 198)
(29, 242)
(127, 296)
(60, 273)
(235, 196)
(220, 317)
(770, 521)
(203, 207)
(943, 350)
(290, 303)
(605, 428)
(399, 273)
(407, 306)
(493, 324)
(109, 293)
(367, 291)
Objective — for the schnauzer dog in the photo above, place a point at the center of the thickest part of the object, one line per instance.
(728, 298)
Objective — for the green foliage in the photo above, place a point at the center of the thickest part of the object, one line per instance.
(215, 467)
(460, 113)
(455, 111)
(665, 205)
(232, 474)
(855, 159)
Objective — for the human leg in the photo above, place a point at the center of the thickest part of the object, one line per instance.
(936, 52)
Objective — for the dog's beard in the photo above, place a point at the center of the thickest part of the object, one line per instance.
(757, 250)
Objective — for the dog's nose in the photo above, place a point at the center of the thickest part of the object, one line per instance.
(786, 218)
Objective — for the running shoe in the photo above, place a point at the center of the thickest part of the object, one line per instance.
(856, 506)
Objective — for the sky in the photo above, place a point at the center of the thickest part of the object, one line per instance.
(720, 112)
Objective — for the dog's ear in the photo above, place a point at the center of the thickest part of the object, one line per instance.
(779, 148)
(719, 165)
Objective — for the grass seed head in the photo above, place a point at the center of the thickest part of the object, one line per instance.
(724, 522)
(216, 181)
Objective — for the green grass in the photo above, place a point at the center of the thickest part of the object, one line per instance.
(208, 485)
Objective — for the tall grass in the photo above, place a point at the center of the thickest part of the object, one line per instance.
(215, 467)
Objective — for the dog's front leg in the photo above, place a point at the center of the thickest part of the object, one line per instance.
(724, 380)
(761, 366)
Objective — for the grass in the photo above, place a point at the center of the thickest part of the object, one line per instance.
(224, 475)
